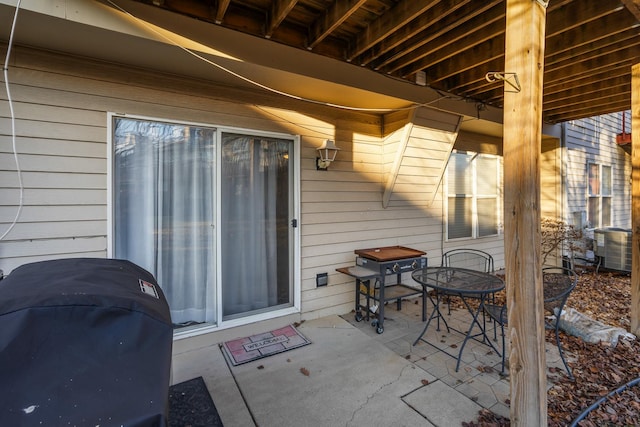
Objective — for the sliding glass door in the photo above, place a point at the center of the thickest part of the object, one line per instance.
(255, 229)
(209, 213)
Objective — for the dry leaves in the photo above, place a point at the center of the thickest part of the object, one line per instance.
(599, 369)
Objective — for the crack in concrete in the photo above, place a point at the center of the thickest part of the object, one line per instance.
(375, 393)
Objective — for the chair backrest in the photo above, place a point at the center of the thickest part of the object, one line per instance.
(558, 282)
(473, 259)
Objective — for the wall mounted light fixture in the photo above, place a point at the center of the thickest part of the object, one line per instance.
(326, 154)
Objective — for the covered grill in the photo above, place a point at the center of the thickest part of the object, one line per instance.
(84, 342)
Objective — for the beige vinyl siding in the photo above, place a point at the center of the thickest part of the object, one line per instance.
(61, 105)
(62, 155)
(551, 171)
(420, 153)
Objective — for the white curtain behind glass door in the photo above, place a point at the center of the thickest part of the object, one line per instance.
(254, 228)
(163, 210)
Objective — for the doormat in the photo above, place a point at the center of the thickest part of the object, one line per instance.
(190, 405)
(248, 349)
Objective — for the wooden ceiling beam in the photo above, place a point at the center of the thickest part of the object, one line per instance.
(607, 59)
(419, 31)
(194, 8)
(557, 4)
(590, 46)
(493, 97)
(586, 81)
(428, 43)
(465, 81)
(279, 10)
(594, 107)
(564, 19)
(594, 104)
(593, 49)
(589, 111)
(459, 44)
(611, 93)
(605, 27)
(221, 10)
(605, 62)
(475, 58)
(614, 88)
(599, 85)
(489, 92)
(331, 19)
(587, 86)
(401, 14)
(633, 6)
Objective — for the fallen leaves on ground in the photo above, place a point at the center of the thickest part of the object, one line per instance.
(599, 369)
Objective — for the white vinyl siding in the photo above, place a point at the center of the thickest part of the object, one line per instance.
(593, 141)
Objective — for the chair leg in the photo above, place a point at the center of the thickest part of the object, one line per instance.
(559, 344)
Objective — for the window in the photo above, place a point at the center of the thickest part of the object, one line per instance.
(599, 203)
(473, 188)
(208, 212)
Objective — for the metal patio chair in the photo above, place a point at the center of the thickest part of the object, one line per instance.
(473, 259)
(557, 282)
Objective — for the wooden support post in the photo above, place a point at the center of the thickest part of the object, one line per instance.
(524, 56)
(635, 199)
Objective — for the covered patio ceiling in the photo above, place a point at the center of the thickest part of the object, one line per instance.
(451, 45)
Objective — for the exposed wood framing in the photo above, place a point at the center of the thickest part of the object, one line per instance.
(331, 19)
(454, 43)
(635, 199)
(524, 55)
(401, 14)
(633, 6)
(424, 29)
(221, 10)
(279, 10)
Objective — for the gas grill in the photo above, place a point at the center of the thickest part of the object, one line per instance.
(371, 270)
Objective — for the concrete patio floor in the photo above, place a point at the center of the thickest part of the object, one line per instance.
(352, 376)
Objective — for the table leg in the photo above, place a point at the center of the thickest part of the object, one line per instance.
(474, 322)
(424, 304)
(437, 308)
(435, 313)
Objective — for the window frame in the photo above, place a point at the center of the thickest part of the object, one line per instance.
(599, 191)
(474, 196)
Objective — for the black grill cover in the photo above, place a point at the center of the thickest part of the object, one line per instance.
(83, 342)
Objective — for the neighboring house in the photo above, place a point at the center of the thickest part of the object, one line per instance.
(212, 185)
(593, 153)
(586, 175)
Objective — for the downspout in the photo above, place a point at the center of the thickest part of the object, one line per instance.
(563, 169)
(563, 184)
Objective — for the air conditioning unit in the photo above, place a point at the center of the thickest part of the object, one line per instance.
(613, 247)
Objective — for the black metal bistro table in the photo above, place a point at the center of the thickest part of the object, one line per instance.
(466, 284)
